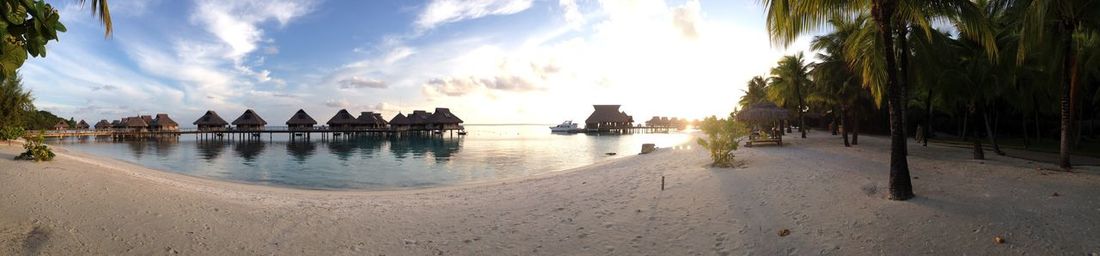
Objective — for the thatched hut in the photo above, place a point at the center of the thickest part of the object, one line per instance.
(61, 125)
(300, 121)
(146, 118)
(164, 123)
(443, 119)
(371, 120)
(103, 125)
(607, 117)
(249, 120)
(418, 120)
(400, 122)
(343, 120)
(762, 113)
(82, 125)
(211, 121)
(135, 123)
(117, 124)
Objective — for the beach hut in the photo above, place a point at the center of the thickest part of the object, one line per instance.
(82, 125)
(400, 122)
(443, 119)
(371, 120)
(249, 121)
(135, 123)
(381, 120)
(300, 121)
(418, 120)
(164, 123)
(117, 124)
(103, 125)
(211, 121)
(343, 120)
(607, 118)
(764, 118)
(147, 119)
(61, 125)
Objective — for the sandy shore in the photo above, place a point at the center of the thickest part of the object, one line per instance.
(830, 198)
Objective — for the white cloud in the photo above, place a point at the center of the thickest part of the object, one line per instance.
(358, 82)
(440, 12)
(236, 23)
(571, 12)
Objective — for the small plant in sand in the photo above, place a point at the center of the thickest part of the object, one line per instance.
(9, 133)
(37, 150)
(721, 137)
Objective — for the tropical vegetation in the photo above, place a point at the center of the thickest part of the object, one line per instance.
(721, 137)
(37, 150)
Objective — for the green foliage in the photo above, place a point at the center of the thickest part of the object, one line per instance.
(15, 103)
(41, 120)
(756, 93)
(26, 27)
(11, 132)
(722, 138)
(37, 150)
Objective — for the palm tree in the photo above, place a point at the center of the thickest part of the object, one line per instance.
(1054, 24)
(788, 81)
(836, 85)
(99, 8)
(756, 92)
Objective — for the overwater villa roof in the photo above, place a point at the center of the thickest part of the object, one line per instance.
(370, 118)
(134, 122)
(762, 112)
(399, 119)
(146, 118)
(381, 120)
(82, 125)
(116, 123)
(211, 118)
(443, 116)
(61, 125)
(249, 117)
(419, 117)
(608, 114)
(342, 117)
(103, 124)
(301, 118)
(163, 120)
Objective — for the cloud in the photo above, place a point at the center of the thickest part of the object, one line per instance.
(358, 82)
(236, 23)
(440, 12)
(571, 12)
(685, 18)
(341, 103)
(459, 86)
(105, 87)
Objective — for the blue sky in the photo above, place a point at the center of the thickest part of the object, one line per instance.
(491, 61)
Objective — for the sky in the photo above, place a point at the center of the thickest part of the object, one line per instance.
(489, 61)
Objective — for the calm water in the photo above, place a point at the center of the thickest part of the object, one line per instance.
(488, 152)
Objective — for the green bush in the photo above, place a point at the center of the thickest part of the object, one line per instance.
(722, 138)
(11, 132)
(37, 150)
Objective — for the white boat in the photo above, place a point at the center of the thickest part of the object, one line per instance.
(567, 126)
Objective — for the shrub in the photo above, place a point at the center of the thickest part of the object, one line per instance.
(37, 150)
(11, 132)
(721, 138)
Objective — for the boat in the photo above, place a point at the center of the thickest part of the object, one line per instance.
(567, 126)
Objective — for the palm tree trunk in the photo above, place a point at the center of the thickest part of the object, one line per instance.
(928, 117)
(989, 133)
(901, 186)
(844, 123)
(1069, 85)
(801, 106)
(903, 74)
(855, 127)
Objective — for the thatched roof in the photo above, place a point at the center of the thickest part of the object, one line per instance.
(163, 120)
(61, 124)
(146, 118)
(103, 124)
(608, 113)
(249, 117)
(443, 116)
(342, 117)
(82, 125)
(211, 118)
(762, 112)
(116, 123)
(301, 118)
(134, 122)
(381, 120)
(370, 118)
(400, 119)
(419, 117)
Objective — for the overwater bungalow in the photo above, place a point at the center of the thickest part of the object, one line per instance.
(249, 121)
(147, 119)
(343, 120)
(61, 125)
(300, 121)
(371, 120)
(164, 123)
(400, 123)
(418, 120)
(211, 121)
(606, 118)
(443, 119)
(103, 125)
(135, 123)
(117, 124)
(82, 125)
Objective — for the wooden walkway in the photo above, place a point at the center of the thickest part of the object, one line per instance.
(323, 133)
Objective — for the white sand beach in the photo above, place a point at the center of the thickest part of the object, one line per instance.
(830, 198)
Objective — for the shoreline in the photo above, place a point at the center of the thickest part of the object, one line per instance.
(830, 198)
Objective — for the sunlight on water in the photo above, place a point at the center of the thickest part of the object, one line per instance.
(487, 153)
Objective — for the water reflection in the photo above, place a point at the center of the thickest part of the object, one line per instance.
(249, 150)
(210, 149)
(300, 150)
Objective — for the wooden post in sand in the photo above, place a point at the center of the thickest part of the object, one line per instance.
(662, 183)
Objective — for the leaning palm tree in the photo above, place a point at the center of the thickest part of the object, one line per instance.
(755, 92)
(1053, 24)
(789, 79)
(100, 9)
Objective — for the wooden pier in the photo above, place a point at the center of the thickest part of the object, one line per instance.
(323, 133)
